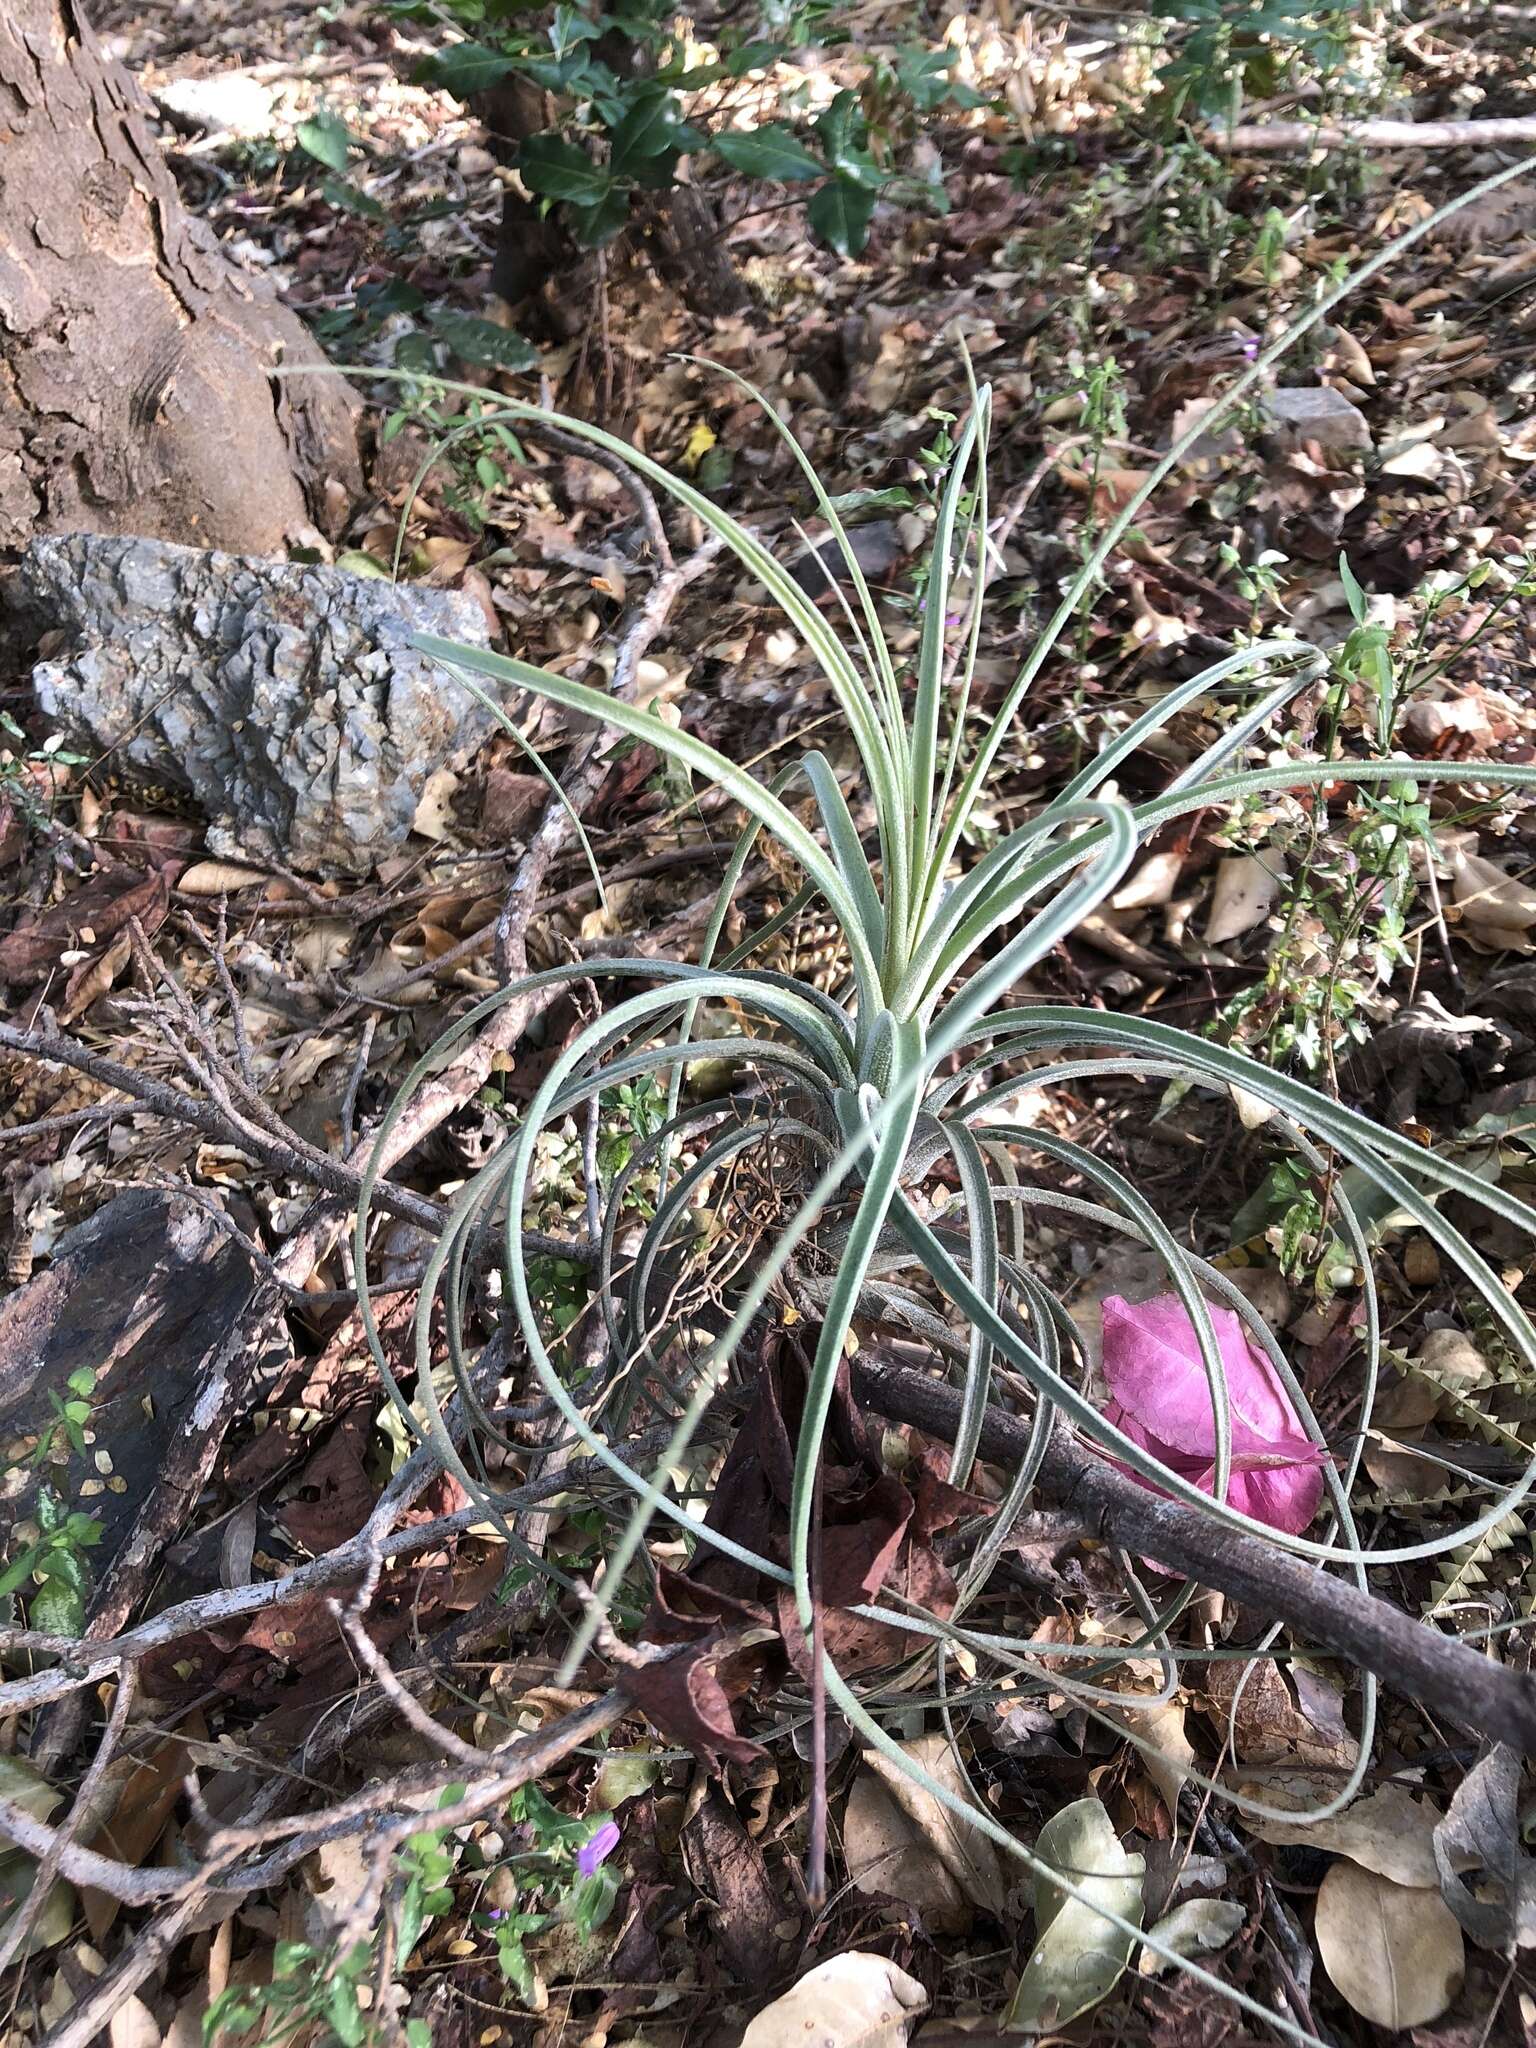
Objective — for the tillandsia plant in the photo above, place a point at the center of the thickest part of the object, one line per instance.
(867, 1090)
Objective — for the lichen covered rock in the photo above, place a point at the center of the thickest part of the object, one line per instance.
(283, 697)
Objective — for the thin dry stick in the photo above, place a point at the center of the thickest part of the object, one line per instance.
(406, 1704)
(1417, 1662)
(287, 1155)
(585, 451)
(1271, 135)
(481, 940)
(84, 1664)
(536, 1755)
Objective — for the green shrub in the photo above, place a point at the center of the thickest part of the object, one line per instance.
(624, 87)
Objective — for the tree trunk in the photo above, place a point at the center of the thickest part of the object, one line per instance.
(134, 395)
(539, 268)
(683, 240)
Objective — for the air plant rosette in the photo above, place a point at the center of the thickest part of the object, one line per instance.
(913, 1067)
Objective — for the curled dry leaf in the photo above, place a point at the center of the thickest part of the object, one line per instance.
(1485, 1877)
(1253, 1708)
(1497, 911)
(217, 878)
(937, 1835)
(1197, 1927)
(1389, 1833)
(1079, 1956)
(1171, 1755)
(133, 2025)
(1245, 892)
(853, 2001)
(729, 1869)
(1152, 884)
(1454, 1360)
(1394, 1952)
(434, 807)
(30, 1790)
(886, 1854)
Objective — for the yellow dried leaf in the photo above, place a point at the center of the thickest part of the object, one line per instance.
(217, 878)
(1393, 1952)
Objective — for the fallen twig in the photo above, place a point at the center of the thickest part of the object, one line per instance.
(81, 1664)
(527, 1758)
(1414, 1660)
(287, 1154)
(588, 451)
(1273, 135)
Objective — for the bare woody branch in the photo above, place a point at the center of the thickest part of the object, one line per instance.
(1412, 1659)
(1252, 138)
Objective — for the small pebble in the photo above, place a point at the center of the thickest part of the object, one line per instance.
(1421, 1263)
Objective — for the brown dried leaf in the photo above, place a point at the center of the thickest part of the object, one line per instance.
(1389, 1833)
(1394, 1953)
(89, 916)
(684, 1700)
(729, 1868)
(970, 1857)
(887, 1854)
(218, 878)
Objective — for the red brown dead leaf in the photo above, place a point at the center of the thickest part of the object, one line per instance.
(877, 1530)
(684, 1698)
(90, 916)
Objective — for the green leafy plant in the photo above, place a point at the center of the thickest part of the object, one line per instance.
(916, 1064)
(55, 1562)
(561, 1875)
(314, 1994)
(1236, 48)
(1343, 910)
(631, 98)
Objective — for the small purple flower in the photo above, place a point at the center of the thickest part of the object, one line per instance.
(1250, 347)
(597, 1848)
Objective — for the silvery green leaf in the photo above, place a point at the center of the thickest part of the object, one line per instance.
(1193, 1929)
(1079, 1957)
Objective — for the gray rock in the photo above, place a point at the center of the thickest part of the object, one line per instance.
(1319, 414)
(877, 548)
(283, 697)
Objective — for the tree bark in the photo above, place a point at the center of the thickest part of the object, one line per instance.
(683, 239)
(538, 265)
(134, 354)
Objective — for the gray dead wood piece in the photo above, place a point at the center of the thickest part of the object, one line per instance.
(285, 698)
(169, 1314)
(1308, 135)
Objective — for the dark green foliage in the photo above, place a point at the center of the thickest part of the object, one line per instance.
(619, 129)
(1237, 47)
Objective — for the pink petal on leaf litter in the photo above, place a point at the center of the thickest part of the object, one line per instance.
(1160, 1397)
